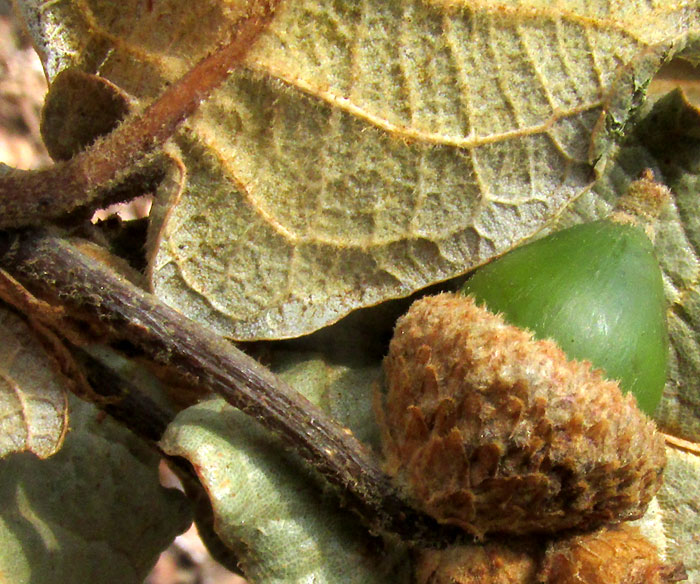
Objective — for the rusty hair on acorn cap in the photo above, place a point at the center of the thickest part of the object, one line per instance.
(618, 554)
(494, 431)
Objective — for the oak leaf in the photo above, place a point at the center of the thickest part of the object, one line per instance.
(366, 150)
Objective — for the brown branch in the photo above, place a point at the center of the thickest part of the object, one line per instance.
(32, 197)
(121, 399)
(92, 302)
(84, 374)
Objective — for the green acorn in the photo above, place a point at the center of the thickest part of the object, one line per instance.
(492, 429)
(597, 290)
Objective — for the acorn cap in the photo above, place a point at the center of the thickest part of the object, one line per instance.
(618, 554)
(494, 431)
(615, 555)
(492, 563)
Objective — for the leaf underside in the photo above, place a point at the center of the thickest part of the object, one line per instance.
(268, 508)
(368, 149)
(33, 401)
(94, 512)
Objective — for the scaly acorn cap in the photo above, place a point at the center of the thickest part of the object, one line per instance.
(494, 431)
(491, 563)
(612, 555)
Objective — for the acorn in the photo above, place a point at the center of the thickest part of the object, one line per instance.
(611, 555)
(597, 290)
(491, 563)
(494, 430)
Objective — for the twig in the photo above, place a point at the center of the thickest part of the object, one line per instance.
(122, 400)
(93, 303)
(32, 197)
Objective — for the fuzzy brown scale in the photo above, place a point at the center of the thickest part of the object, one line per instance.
(611, 555)
(494, 431)
(615, 555)
(495, 563)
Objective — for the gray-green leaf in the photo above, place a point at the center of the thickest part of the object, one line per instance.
(366, 150)
(94, 512)
(269, 508)
(33, 402)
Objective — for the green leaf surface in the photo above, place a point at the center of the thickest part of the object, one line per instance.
(94, 512)
(368, 149)
(33, 402)
(269, 509)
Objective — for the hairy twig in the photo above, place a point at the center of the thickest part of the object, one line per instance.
(90, 302)
(32, 197)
